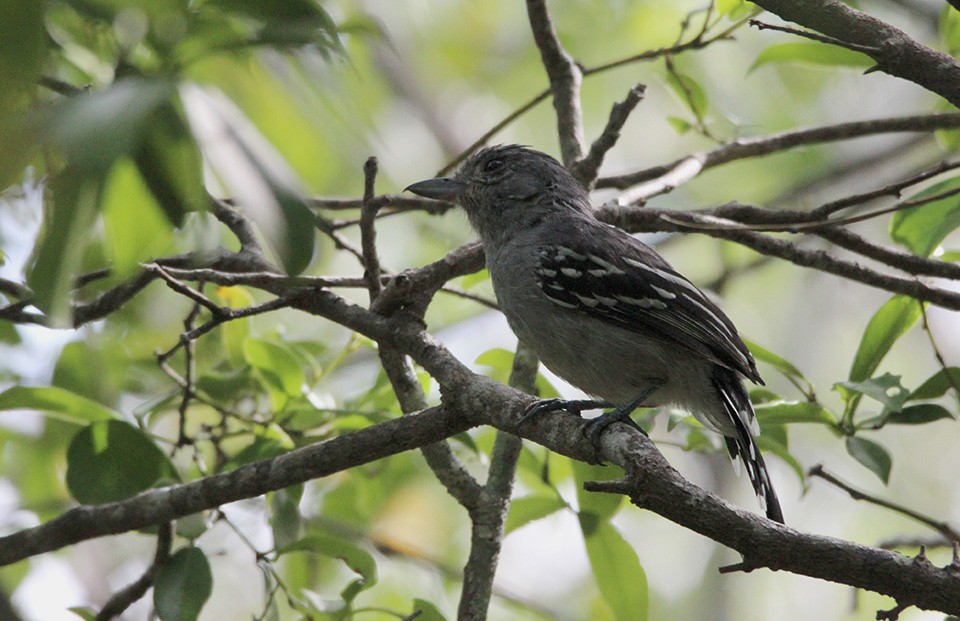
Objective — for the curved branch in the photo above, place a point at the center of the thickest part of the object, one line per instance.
(764, 145)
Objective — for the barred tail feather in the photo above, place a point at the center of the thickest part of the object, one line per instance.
(743, 445)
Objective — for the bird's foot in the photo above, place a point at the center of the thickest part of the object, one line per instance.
(544, 406)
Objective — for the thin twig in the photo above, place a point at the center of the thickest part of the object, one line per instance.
(585, 170)
(368, 231)
(870, 50)
(123, 599)
(941, 527)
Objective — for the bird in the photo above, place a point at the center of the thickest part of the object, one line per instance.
(600, 308)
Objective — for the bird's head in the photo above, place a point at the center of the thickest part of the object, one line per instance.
(504, 186)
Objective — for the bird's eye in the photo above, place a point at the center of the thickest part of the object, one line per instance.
(492, 165)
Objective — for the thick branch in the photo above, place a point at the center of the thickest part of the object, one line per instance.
(647, 219)
(165, 504)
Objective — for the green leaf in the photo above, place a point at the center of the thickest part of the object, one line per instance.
(70, 208)
(84, 612)
(285, 514)
(112, 460)
(886, 326)
(95, 128)
(812, 53)
(786, 368)
(679, 125)
(254, 172)
(690, 93)
(279, 367)
(182, 586)
(885, 389)
(235, 333)
(871, 455)
(500, 362)
(920, 414)
(531, 508)
(617, 569)
(169, 162)
(768, 445)
(785, 412)
(57, 403)
(937, 384)
(921, 229)
(353, 556)
(135, 224)
(427, 611)
(268, 442)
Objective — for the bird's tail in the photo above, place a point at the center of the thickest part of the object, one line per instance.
(737, 405)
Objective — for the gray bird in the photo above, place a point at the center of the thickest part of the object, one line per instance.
(600, 308)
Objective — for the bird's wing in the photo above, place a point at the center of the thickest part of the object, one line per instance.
(629, 285)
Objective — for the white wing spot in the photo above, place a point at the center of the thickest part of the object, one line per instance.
(610, 268)
(564, 251)
(588, 302)
(663, 293)
(572, 273)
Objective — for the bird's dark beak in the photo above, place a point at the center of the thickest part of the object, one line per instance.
(441, 188)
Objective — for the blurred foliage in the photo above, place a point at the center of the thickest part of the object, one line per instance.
(123, 120)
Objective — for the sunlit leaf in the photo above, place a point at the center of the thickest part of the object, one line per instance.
(426, 611)
(778, 362)
(531, 508)
(616, 568)
(169, 162)
(353, 556)
(887, 325)
(182, 586)
(281, 370)
(56, 402)
(70, 206)
(922, 228)
(135, 224)
(937, 384)
(690, 93)
(112, 460)
(812, 53)
(786, 412)
(235, 333)
(253, 171)
(871, 455)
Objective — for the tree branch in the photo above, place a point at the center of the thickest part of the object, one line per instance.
(565, 77)
(764, 145)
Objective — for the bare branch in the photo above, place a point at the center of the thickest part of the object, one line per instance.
(648, 219)
(585, 170)
(764, 145)
(565, 77)
(941, 527)
(368, 231)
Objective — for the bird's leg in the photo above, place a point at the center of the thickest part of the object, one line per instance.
(552, 405)
(595, 427)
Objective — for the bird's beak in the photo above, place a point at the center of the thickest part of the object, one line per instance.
(441, 188)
